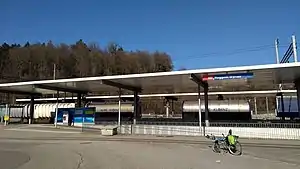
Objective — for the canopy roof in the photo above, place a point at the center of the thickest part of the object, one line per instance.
(258, 77)
(266, 93)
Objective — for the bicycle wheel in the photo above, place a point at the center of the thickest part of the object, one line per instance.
(216, 147)
(235, 149)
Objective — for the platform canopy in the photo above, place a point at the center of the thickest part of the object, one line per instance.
(258, 77)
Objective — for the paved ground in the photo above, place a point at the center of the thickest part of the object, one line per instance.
(41, 147)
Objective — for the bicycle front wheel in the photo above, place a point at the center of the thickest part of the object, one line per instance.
(235, 149)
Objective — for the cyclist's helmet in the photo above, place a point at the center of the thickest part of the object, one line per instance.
(230, 132)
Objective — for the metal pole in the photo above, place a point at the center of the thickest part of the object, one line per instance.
(6, 114)
(56, 110)
(172, 108)
(255, 105)
(167, 108)
(276, 50)
(54, 72)
(83, 116)
(267, 105)
(277, 56)
(294, 48)
(199, 111)
(206, 105)
(137, 110)
(282, 105)
(297, 83)
(277, 105)
(31, 109)
(119, 114)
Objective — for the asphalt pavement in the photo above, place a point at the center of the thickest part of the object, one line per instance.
(35, 147)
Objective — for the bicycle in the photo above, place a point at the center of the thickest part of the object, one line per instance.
(229, 144)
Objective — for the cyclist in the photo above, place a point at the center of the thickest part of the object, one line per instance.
(229, 132)
(230, 139)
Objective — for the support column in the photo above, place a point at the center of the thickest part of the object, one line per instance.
(172, 108)
(267, 105)
(119, 114)
(282, 105)
(136, 113)
(199, 108)
(56, 109)
(277, 105)
(206, 105)
(22, 116)
(31, 111)
(204, 84)
(255, 105)
(7, 109)
(167, 108)
(297, 84)
(6, 114)
(79, 99)
(84, 100)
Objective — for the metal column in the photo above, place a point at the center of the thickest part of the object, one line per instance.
(282, 105)
(119, 114)
(267, 105)
(31, 109)
(294, 48)
(6, 114)
(199, 108)
(276, 51)
(136, 107)
(204, 84)
(79, 100)
(206, 105)
(56, 109)
(255, 105)
(167, 108)
(297, 84)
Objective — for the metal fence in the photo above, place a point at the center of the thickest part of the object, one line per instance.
(261, 124)
(244, 130)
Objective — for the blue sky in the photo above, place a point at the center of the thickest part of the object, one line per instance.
(197, 34)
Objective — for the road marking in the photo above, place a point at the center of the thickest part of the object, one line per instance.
(42, 131)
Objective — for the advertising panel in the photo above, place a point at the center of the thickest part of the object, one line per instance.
(228, 76)
(77, 115)
(84, 115)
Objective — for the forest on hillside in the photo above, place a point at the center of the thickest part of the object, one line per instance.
(36, 61)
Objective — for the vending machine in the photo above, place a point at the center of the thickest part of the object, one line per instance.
(66, 117)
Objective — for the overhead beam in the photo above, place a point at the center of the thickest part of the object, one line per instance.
(59, 88)
(171, 98)
(122, 86)
(198, 80)
(19, 92)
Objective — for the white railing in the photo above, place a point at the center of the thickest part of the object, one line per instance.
(246, 130)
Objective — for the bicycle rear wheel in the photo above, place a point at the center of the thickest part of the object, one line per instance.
(235, 149)
(216, 147)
